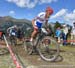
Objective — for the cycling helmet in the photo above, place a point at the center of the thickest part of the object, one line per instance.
(50, 10)
(15, 26)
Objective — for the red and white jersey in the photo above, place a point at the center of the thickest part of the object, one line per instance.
(41, 17)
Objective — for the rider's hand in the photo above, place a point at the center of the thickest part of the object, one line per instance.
(48, 30)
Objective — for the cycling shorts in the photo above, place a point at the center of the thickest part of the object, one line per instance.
(38, 24)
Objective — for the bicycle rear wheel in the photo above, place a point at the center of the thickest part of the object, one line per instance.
(48, 49)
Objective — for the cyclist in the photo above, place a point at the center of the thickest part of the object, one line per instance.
(65, 34)
(39, 20)
(12, 31)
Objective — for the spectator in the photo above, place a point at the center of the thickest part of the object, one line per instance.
(58, 34)
(73, 34)
(64, 34)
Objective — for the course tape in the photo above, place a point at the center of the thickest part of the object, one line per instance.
(12, 54)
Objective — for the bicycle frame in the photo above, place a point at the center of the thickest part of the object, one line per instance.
(40, 35)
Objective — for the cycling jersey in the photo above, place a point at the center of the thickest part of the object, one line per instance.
(40, 19)
(11, 31)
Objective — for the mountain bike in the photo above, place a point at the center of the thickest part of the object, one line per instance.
(44, 45)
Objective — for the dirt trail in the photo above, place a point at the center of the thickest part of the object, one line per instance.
(34, 61)
(67, 59)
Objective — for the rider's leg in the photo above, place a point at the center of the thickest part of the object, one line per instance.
(33, 34)
(36, 26)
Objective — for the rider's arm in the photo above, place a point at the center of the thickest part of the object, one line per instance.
(33, 22)
(7, 30)
(46, 23)
(10, 28)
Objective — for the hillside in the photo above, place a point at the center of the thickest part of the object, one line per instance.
(9, 21)
(25, 24)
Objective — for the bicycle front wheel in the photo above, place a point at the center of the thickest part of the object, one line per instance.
(48, 48)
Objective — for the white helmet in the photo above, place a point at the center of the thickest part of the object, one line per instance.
(15, 26)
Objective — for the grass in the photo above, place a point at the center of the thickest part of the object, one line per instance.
(68, 48)
(6, 61)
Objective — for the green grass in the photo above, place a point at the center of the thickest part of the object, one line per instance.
(68, 48)
(6, 61)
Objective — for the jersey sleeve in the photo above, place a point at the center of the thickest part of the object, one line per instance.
(37, 17)
(41, 15)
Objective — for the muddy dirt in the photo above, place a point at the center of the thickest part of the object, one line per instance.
(6, 61)
(66, 58)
